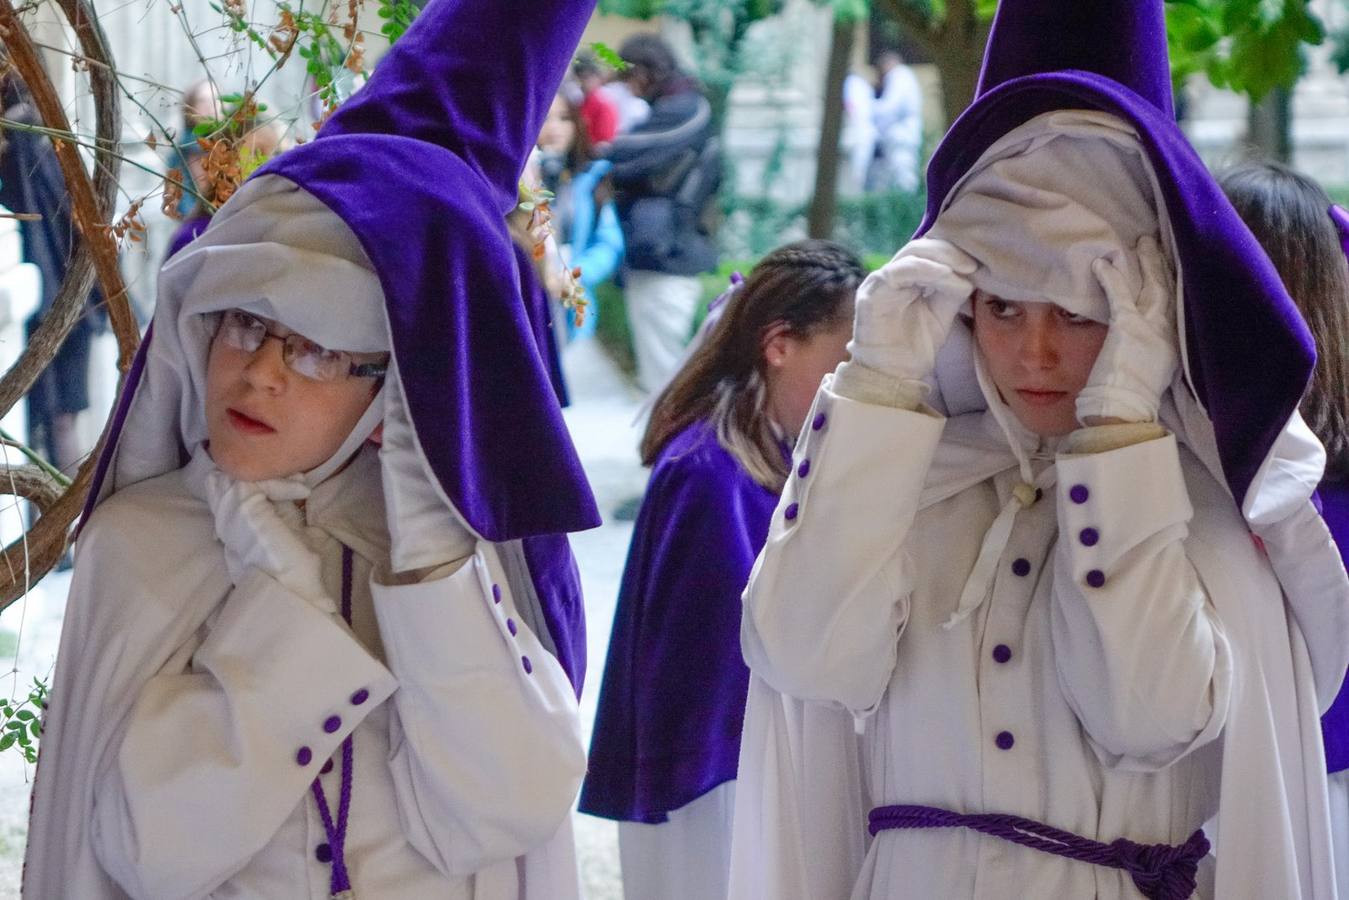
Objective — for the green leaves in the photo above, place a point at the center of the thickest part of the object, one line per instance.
(22, 721)
(608, 56)
(1248, 46)
(398, 16)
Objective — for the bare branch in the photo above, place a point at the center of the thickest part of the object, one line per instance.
(33, 554)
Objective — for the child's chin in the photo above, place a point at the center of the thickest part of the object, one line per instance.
(250, 468)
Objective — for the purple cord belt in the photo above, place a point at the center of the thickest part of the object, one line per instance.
(1159, 871)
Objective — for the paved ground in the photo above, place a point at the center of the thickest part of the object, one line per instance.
(600, 419)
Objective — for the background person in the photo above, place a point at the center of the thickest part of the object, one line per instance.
(667, 736)
(665, 171)
(1293, 219)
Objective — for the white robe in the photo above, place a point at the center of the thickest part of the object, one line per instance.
(1177, 691)
(169, 762)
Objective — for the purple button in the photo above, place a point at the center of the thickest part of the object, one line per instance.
(1078, 493)
(1089, 537)
(1002, 653)
(804, 469)
(819, 421)
(327, 767)
(304, 755)
(360, 697)
(1096, 578)
(529, 666)
(510, 626)
(496, 593)
(332, 723)
(1021, 567)
(323, 853)
(790, 513)
(1004, 740)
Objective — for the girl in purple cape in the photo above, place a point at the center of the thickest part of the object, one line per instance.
(321, 639)
(667, 736)
(1293, 219)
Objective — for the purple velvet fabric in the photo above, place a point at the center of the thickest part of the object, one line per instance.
(1030, 37)
(540, 312)
(1335, 723)
(1340, 216)
(1249, 386)
(186, 233)
(673, 698)
(552, 569)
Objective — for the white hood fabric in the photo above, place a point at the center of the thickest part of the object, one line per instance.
(1044, 204)
(272, 250)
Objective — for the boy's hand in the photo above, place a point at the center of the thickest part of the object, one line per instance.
(256, 534)
(422, 530)
(1140, 353)
(906, 308)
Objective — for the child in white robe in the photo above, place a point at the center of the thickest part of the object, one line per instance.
(296, 664)
(1046, 615)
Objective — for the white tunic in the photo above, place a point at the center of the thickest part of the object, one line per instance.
(467, 750)
(1091, 709)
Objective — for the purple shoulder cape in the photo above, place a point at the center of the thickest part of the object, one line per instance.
(1335, 723)
(673, 697)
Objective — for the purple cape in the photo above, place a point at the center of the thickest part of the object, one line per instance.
(1335, 723)
(673, 698)
(422, 165)
(1249, 387)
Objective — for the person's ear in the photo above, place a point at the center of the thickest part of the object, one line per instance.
(776, 344)
(377, 436)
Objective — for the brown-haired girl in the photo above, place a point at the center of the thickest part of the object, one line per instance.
(667, 736)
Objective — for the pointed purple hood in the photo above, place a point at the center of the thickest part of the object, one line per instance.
(422, 165)
(1047, 55)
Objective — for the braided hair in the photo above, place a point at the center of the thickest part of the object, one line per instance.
(1289, 215)
(807, 286)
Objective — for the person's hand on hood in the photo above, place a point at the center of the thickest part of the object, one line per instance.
(906, 308)
(1140, 354)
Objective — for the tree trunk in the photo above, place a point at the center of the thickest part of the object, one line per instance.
(959, 64)
(1269, 125)
(824, 203)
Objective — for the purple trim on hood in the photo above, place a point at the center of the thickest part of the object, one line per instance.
(1250, 388)
(119, 416)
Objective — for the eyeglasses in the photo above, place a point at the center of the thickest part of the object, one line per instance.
(246, 332)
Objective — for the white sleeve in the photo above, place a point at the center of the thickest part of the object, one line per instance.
(227, 745)
(485, 743)
(1141, 655)
(828, 595)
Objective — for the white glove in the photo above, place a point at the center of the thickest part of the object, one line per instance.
(1140, 353)
(905, 308)
(265, 534)
(423, 533)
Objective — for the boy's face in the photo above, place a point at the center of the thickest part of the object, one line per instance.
(265, 420)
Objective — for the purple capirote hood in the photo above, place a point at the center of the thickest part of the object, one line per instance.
(422, 165)
(1249, 353)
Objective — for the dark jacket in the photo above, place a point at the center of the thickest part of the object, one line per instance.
(666, 173)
